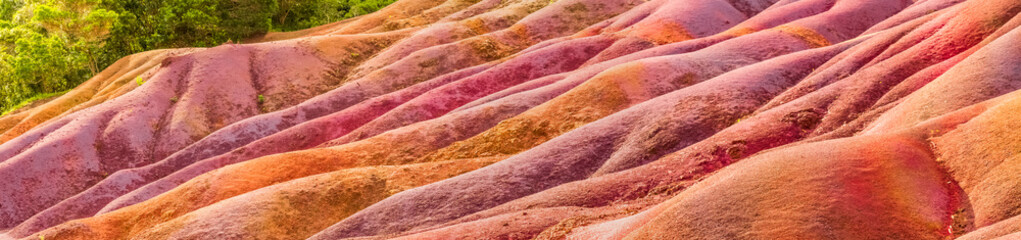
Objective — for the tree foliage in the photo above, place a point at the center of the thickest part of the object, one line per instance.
(49, 46)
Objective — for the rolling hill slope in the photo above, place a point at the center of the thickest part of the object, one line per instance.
(536, 119)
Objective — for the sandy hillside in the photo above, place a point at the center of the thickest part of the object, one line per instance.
(539, 119)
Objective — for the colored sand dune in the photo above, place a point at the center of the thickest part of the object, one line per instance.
(535, 119)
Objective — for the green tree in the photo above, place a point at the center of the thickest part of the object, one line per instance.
(8, 8)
